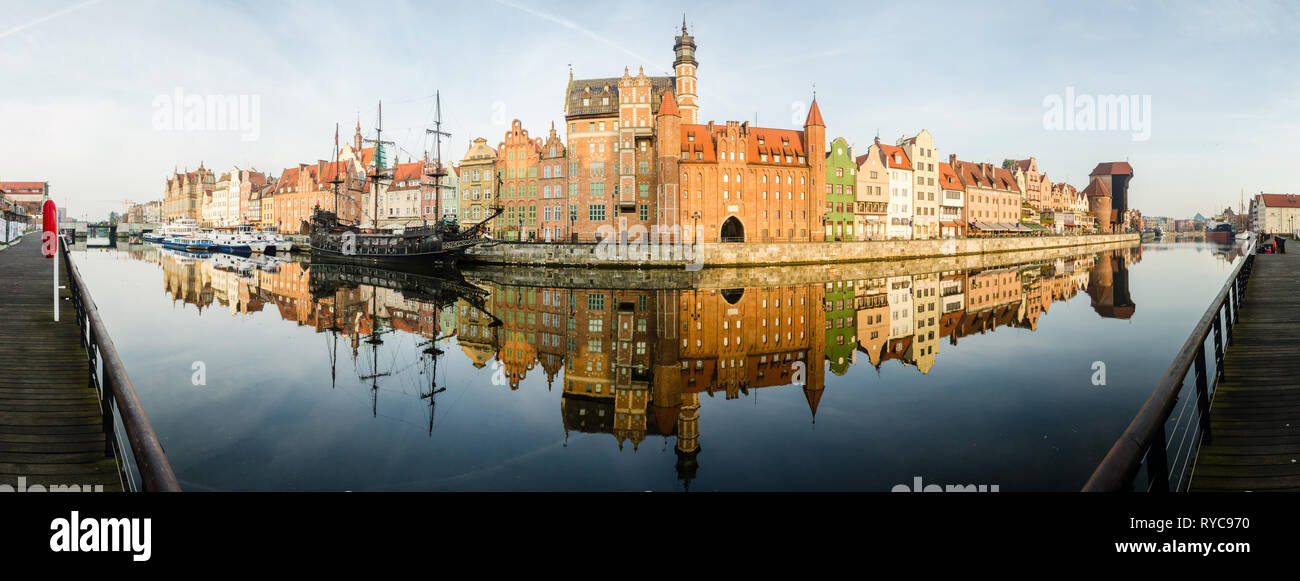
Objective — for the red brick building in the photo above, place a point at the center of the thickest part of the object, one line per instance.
(639, 159)
(741, 183)
(553, 180)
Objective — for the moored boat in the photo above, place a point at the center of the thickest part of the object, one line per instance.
(199, 244)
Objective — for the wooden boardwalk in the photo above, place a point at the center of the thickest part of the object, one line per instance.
(51, 430)
(1255, 410)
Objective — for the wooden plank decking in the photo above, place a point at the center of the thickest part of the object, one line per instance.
(51, 431)
(1255, 411)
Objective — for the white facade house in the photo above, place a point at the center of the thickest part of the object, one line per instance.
(1277, 213)
(901, 203)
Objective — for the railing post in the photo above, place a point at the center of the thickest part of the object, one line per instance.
(1229, 302)
(1202, 392)
(106, 410)
(1218, 344)
(1158, 463)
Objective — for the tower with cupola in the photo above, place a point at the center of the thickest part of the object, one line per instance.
(684, 68)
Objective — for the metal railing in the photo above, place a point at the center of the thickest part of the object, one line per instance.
(1167, 455)
(141, 460)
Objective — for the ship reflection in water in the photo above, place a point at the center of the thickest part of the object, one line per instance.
(631, 356)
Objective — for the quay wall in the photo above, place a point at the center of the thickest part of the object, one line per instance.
(722, 277)
(714, 255)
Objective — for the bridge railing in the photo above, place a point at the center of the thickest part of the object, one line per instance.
(127, 431)
(1167, 454)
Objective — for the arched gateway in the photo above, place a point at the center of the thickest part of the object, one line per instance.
(732, 231)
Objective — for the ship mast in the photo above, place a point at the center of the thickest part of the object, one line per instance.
(379, 162)
(375, 340)
(437, 172)
(336, 179)
(433, 352)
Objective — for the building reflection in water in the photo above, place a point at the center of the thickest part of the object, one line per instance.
(634, 363)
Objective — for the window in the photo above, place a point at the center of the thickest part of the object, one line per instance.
(643, 212)
(596, 302)
(596, 212)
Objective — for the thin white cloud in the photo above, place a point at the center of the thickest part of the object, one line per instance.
(571, 25)
(47, 18)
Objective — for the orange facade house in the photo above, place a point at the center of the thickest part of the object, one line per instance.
(518, 160)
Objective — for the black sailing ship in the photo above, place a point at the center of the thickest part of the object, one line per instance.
(442, 242)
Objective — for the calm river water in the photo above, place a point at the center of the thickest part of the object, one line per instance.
(283, 376)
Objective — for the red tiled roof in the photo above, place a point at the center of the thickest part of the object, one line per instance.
(1004, 180)
(287, 178)
(897, 157)
(1280, 200)
(405, 172)
(327, 170)
(1096, 187)
(1112, 168)
(668, 105)
(972, 175)
(9, 186)
(814, 116)
(948, 179)
(775, 142)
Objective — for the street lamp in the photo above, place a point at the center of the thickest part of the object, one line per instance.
(696, 228)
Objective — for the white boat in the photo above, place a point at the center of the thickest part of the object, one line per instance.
(239, 239)
(1243, 236)
(177, 233)
(275, 243)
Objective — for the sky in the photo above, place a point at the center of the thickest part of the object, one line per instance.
(88, 88)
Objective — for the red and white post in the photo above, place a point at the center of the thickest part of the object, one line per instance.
(50, 245)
